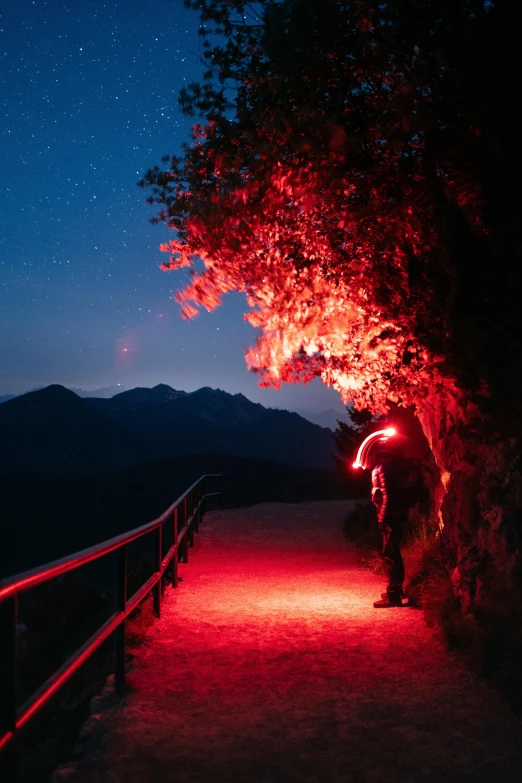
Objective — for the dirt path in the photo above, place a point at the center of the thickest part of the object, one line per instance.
(270, 664)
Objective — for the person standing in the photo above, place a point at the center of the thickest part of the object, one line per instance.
(390, 496)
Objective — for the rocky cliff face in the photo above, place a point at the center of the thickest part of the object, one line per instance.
(477, 499)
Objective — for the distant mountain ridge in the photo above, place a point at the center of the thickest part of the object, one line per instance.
(142, 394)
(214, 420)
(53, 430)
(327, 418)
(105, 391)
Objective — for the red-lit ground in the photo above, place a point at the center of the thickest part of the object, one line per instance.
(270, 664)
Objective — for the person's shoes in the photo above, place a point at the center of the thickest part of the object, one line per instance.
(387, 601)
(387, 595)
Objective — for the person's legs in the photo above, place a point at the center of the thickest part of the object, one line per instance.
(391, 553)
(392, 557)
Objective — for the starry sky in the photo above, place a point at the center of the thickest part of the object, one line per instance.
(89, 100)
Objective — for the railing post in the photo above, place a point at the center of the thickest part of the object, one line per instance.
(175, 558)
(196, 520)
(8, 619)
(158, 546)
(185, 538)
(162, 583)
(120, 593)
(192, 517)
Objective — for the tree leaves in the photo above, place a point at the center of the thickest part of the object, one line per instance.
(337, 139)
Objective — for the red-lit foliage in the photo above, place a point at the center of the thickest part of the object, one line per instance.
(322, 184)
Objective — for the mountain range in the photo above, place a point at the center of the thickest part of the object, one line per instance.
(53, 430)
(327, 418)
(106, 391)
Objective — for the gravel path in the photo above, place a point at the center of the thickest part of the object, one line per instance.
(270, 664)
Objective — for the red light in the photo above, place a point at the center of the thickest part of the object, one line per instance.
(380, 435)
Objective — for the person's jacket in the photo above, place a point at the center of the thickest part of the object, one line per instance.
(379, 494)
(391, 492)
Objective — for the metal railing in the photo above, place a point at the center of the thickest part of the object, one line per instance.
(13, 719)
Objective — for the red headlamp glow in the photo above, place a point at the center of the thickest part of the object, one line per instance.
(379, 436)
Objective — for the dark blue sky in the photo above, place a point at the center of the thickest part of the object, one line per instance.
(89, 100)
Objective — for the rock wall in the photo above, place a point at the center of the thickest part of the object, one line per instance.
(477, 498)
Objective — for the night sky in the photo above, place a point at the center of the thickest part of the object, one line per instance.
(89, 100)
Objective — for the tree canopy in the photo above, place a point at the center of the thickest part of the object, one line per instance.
(354, 170)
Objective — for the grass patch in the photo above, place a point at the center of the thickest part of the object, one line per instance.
(427, 578)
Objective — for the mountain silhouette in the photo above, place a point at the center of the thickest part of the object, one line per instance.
(212, 420)
(52, 430)
(143, 395)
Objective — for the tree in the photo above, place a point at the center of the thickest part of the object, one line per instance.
(357, 174)
(348, 436)
(335, 175)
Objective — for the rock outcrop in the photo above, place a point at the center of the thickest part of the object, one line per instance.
(477, 500)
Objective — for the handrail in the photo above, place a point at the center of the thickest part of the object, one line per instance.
(13, 719)
(36, 576)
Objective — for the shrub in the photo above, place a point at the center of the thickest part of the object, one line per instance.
(427, 578)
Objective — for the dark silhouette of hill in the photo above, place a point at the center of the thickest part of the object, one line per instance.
(43, 517)
(142, 395)
(52, 430)
(211, 420)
